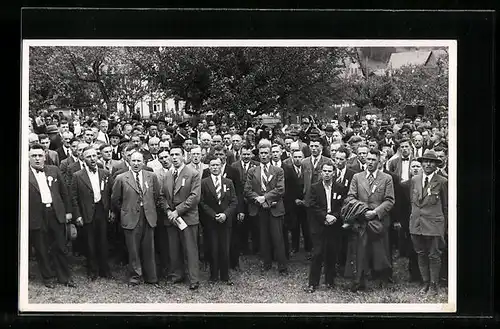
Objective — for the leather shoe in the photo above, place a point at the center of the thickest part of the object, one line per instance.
(357, 287)
(283, 272)
(310, 289)
(330, 286)
(433, 290)
(424, 288)
(229, 283)
(49, 285)
(70, 284)
(133, 282)
(194, 286)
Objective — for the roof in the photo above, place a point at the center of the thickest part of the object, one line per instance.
(398, 60)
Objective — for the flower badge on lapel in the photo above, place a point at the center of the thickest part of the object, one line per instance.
(50, 179)
(146, 185)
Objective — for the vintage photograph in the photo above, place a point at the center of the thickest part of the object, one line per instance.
(238, 176)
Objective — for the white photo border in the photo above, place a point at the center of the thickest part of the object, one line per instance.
(449, 307)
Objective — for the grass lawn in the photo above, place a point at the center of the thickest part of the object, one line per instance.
(250, 287)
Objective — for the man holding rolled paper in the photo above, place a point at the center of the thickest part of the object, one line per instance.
(179, 199)
(135, 195)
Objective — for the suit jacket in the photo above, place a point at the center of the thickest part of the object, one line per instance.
(64, 166)
(118, 154)
(429, 211)
(102, 137)
(294, 186)
(232, 174)
(73, 168)
(379, 198)
(60, 197)
(395, 166)
(346, 182)
(274, 193)
(209, 204)
(183, 196)
(109, 166)
(60, 152)
(203, 166)
(354, 165)
(125, 198)
(319, 206)
(52, 158)
(311, 174)
(56, 143)
(82, 194)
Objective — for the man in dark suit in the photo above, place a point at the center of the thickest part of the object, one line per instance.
(90, 196)
(400, 165)
(51, 156)
(218, 204)
(65, 150)
(227, 171)
(311, 167)
(375, 189)
(55, 137)
(325, 203)
(72, 157)
(250, 227)
(264, 191)
(135, 195)
(152, 152)
(49, 211)
(180, 198)
(358, 163)
(343, 177)
(114, 139)
(294, 203)
(429, 220)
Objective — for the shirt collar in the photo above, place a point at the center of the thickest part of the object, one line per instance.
(328, 186)
(374, 173)
(180, 168)
(265, 165)
(429, 176)
(214, 178)
(34, 171)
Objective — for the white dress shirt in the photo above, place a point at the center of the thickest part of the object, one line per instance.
(429, 177)
(277, 164)
(374, 174)
(419, 152)
(94, 181)
(141, 179)
(298, 170)
(315, 161)
(405, 169)
(66, 150)
(341, 174)
(43, 186)
(328, 191)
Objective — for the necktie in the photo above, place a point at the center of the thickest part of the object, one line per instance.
(339, 178)
(371, 179)
(175, 175)
(297, 170)
(38, 170)
(237, 155)
(107, 138)
(92, 170)
(315, 162)
(139, 187)
(405, 159)
(426, 182)
(218, 188)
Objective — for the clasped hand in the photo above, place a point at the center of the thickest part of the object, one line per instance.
(330, 219)
(221, 217)
(370, 214)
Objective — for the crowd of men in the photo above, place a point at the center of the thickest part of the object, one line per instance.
(160, 197)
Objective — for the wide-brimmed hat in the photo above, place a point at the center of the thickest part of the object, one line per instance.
(52, 129)
(116, 133)
(430, 155)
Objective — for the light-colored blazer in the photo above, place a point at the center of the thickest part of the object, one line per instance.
(379, 197)
(429, 211)
(182, 196)
(125, 198)
(274, 193)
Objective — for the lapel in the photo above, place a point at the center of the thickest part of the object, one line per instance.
(178, 183)
(211, 187)
(323, 195)
(432, 184)
(418, 186)
(257, 175)
(86, 179)
(33, 180)
(130, 179)
(169, 178)
(377, 180)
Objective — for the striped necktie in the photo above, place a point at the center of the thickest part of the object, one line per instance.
(264, 178)
(139, 187)
(218, 188)
(371, 179)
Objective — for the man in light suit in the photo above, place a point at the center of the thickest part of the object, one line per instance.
(218, 204)
(264, 191)
(374, 188)
(102, 135)
(107, 157)
(90, 196)
(135, 195)
(180, 198)
(429, 220)
(49, 211)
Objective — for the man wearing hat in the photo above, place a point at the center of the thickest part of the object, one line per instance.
(429, 219)
(55, 138)
(51, 157)
(328, 140)
(114, 139)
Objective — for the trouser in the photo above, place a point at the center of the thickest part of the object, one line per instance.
(161, 246)
(301, 224)
(429, 256)
(51, 236)
(220, 235)
(117, 240)
(325, 251)
(183, 248)
(95, 237)
(235, 244)
(141, 250)
(271, 238)
(444, 262)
